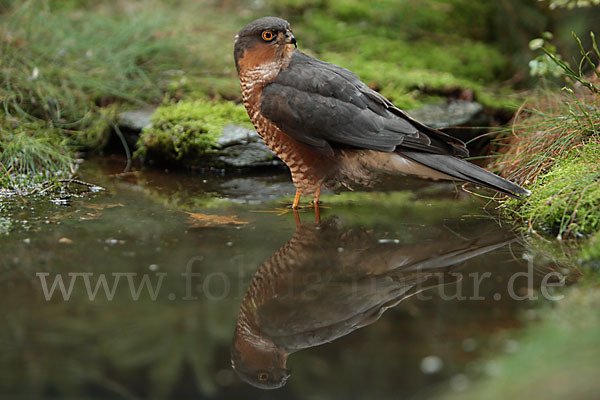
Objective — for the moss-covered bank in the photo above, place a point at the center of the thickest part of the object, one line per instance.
(553, 149)
(565, 199)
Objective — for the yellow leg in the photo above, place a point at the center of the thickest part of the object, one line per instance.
(296, 200)
(317, 195)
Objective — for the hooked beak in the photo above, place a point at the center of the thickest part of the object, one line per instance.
(289, 38)
(286, 372)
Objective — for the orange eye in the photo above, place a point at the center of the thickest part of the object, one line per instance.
(263, 376)
(268, 35)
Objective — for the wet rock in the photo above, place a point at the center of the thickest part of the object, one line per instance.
(236, 134)
(256, 190)
(254, 154)
(462, 119)
(131, 124)
(241, 147)
(135, 120)
(449, 114)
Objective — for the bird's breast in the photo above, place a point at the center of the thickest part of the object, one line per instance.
(308, 167)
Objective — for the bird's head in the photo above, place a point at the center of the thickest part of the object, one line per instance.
(259, 363)
(265, 40)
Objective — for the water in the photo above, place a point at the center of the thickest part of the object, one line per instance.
(179, 252)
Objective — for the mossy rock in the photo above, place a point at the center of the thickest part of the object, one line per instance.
(187, 132)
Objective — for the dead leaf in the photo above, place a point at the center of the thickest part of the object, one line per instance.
(199, 220)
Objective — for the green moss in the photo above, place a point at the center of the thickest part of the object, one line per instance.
(566, 199)
(188, 130)
(408, 19)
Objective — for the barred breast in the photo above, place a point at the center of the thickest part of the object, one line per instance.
(309, 169)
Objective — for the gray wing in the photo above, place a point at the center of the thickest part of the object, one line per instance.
(325, 106)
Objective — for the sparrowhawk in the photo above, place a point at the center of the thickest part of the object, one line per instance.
(331, 129)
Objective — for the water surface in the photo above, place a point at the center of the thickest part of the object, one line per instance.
(392, 295)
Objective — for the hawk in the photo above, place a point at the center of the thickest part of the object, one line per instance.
(331, 129)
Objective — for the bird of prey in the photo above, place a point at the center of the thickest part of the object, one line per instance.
(309, 293)
(331, 129)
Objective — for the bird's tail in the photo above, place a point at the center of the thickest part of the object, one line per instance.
(466, 171)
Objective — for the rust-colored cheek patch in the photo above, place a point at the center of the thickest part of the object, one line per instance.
(257, 55)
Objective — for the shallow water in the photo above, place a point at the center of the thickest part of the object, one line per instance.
(178, 253)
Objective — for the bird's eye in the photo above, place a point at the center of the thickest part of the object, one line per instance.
(263, 377)
(267, 36)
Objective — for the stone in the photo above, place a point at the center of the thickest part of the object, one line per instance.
(256, 190)
(236, 134)
(449, 114)
(254, 154)
(136, 120)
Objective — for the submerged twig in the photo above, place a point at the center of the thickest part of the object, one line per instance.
(79, 182)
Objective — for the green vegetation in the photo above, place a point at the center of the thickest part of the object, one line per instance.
(31, 153)
(67, 67)
(187, 130)
(554, 149)
(565, 200)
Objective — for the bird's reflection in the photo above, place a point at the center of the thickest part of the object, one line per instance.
(327, 282)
